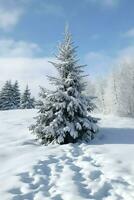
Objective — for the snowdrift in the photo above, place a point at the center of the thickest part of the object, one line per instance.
(101, 170)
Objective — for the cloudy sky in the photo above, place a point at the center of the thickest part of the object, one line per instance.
(31, 29)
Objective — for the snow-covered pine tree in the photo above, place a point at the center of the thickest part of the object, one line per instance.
(1, 99)
(16, 95)
(64, 115)
(6, 97)
(27, 102)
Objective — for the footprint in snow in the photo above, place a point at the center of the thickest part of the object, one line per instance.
(95, 174)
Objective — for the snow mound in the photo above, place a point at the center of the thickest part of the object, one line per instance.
(101, 170)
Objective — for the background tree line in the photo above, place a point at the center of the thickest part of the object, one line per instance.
(115, 93)
(11, 97)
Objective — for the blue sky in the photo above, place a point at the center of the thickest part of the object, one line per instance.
(31, 29)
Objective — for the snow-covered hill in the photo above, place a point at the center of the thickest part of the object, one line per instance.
(102, 170)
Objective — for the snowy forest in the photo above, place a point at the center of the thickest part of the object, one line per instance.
(115, 92)
(11, 97)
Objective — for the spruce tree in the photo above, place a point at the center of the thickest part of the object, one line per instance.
(27, 102)
(16, 95)
(64, 112)
(1, 99)
(6, 96)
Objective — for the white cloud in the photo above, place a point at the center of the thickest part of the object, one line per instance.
(95, 56)
(30, 71)
(12, 48)
(19, 61)
(125, 55)
(129, 33)
(11, 12)
(9, 19)
(98, 63)
(105, 3)
(110, 3)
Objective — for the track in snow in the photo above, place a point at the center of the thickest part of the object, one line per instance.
(74, 175)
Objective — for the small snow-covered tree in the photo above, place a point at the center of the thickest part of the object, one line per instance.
(16, 95)
(112, 90)
(6, 96)
(100, 86)
(64, 112)
(126, 85)
(90, 88)
(27, 102)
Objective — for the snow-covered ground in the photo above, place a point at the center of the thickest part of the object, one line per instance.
(101, 170)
